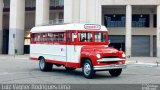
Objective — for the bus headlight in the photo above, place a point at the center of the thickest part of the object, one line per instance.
(98, 56)
(123, 55)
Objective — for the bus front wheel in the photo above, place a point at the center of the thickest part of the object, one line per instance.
(87, 69)
(44, 66)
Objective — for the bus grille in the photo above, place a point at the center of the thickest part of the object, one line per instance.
(110, 57)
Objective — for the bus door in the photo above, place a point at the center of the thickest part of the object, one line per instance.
(70, 54)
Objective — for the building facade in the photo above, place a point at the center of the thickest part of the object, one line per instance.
(134, 25)
(17, 17)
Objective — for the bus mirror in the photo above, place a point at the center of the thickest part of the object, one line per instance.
(109, 41)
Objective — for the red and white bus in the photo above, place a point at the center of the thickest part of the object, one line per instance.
(75, 46)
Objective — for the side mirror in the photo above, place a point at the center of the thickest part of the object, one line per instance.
(109, 41)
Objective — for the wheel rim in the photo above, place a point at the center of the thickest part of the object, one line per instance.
(42, 63)
(87, 69)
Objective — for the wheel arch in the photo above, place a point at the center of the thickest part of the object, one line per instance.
(40, 57)
(83, 59)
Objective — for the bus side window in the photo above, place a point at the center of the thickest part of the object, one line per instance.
(55, 37)
(97, 36)
(38, 39)
(104, 37)
(82, 37)
(85, 36)
(44, 37)
(50, 37)
(68, 37)
(73, 36)
(100, 37)
(33, 37)
(62, 37)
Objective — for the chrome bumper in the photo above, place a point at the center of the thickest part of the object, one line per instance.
(109, 67)
(110, 59)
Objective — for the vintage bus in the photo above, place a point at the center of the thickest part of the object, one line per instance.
(75, 46)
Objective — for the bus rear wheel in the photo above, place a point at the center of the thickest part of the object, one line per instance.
(44, 66)
(115, 72)
(87, 69)
(70, 69)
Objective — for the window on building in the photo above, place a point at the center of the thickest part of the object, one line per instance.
(61, 17)
(56, 3)
(154, 20)
(140, 20)
(61, 2)
(118, 20)
(6, 3)
(114, 20)
(30, 3)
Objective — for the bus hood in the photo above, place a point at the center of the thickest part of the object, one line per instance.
(104, 51)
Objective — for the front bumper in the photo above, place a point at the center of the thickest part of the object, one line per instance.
(110, 59)
(109, 67)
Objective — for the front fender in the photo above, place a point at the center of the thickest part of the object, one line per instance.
(90, 56)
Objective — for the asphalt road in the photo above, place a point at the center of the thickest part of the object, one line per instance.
(24, 71)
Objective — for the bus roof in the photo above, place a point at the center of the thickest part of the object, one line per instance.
(62, 27)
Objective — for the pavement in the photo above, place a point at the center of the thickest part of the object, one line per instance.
(153, 61)
(22, 57)
(19, 69)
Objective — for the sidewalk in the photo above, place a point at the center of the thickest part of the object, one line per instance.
(143, 60)
(132, 60)
(25, 56)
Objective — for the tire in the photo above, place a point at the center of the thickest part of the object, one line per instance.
(44, 66)
(87, 69)
(115, 72)
(70, 69)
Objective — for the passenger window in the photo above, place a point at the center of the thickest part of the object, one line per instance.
(38, 37)
(73, 36)
(44, 37)
(85, 37)
(62, 37)
(55, 36)
(104, 37)
(50, 37)
(68, 37)
(100, 36)
(33, 37)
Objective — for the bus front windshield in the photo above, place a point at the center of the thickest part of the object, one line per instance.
(92, 36)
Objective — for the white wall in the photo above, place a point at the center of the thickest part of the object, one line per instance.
(82, 11)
